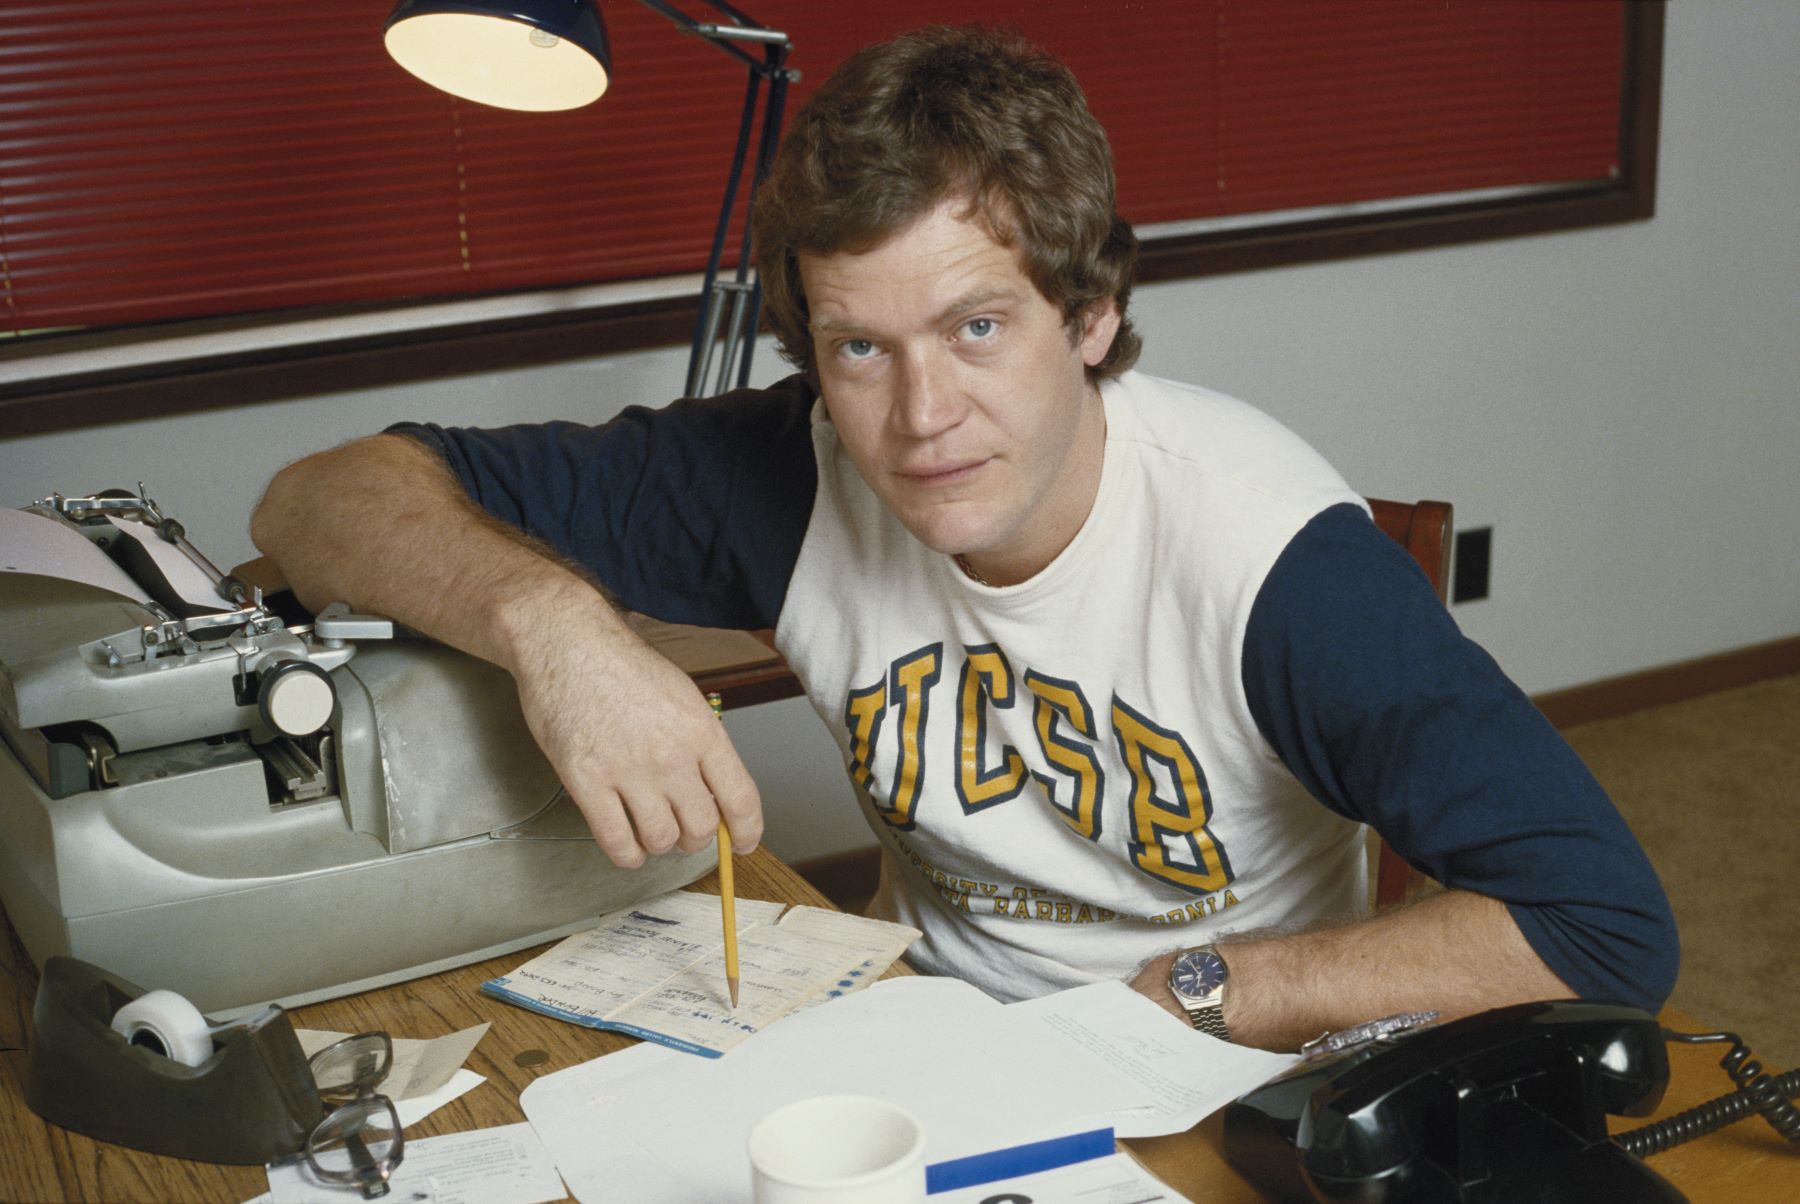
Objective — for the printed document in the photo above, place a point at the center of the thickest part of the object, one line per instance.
(649, 1126)
(656, 969)
(1189, 1074)
(504, 1165)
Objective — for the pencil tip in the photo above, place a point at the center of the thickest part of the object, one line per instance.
(733, 984)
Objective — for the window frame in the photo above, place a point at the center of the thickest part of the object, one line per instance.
(587, 321)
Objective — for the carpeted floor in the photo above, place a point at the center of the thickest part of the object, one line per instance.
(1711, 786)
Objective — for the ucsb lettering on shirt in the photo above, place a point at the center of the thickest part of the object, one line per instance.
(1166, 805)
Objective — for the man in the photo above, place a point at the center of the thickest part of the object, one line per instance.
(1119, 665)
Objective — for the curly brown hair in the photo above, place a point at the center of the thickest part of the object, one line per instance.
(944, 112)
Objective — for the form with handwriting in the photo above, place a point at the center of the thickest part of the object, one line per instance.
(653, 970)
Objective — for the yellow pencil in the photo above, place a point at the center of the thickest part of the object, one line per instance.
(727, 891)
(729, 906)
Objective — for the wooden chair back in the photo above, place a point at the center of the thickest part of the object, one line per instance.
(1423, 529)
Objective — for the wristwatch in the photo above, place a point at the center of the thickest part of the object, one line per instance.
(1198, 980)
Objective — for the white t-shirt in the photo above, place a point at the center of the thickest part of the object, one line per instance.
(1064, 774)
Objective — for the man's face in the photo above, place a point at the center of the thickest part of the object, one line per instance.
(957, 392)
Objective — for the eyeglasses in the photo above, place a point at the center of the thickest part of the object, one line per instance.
(359, 1142)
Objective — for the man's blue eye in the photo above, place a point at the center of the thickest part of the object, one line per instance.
(980, 328)
(858, 349)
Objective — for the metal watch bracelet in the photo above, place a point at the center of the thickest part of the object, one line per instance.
(1331, 1041)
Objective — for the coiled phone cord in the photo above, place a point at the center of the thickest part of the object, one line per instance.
(1757, 1091)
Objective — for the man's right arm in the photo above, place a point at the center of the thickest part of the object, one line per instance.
(384, 526)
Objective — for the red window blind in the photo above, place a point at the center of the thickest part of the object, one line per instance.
(186, 159)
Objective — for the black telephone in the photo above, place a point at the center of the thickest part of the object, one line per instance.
(1504, 1106)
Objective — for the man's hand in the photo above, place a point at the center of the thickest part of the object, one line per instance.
(1152, 982)
(634, 742)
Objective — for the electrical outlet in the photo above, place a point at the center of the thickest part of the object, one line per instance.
(1469, 578)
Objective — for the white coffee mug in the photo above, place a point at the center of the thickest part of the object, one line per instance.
(848, 1149)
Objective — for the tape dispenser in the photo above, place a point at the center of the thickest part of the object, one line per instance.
(147, 1070)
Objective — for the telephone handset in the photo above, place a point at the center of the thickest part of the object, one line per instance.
(1503, 1106)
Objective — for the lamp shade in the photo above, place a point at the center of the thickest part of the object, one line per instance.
(537, 55)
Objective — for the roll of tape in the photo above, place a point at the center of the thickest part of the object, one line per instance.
(165, 1022)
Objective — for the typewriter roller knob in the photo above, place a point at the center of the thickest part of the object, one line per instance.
(295, 697)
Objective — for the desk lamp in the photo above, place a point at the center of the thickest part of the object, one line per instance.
(544, 55)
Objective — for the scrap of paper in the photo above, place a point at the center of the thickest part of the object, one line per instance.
(656, 969)
(412, 1111)
(503, 1165)
(1189, 1074)
(420, 1067)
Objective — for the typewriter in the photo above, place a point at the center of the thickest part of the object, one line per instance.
(205, 789)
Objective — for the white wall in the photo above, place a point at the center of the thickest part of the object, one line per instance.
(1619, 404)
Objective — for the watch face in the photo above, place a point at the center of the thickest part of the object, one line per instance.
(1198, 972)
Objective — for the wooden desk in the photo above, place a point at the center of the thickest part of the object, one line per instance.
(1746, 1162)
(39, 1162)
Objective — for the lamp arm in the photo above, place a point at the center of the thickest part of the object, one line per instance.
(714, 298)
(709, 29)
(745, 29)
(729, 309)
(765, 157)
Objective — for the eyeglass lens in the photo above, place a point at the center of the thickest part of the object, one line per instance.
(353, 1065)
(359, 1143)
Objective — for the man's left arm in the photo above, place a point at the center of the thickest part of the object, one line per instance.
(1364, 688)
(1454, 952)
